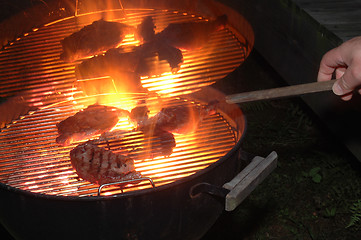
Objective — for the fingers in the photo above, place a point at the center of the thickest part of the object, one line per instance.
(346, 97)
(331, 60)
(330, 63)
(345, 62)
(349, 81)
(339, 72)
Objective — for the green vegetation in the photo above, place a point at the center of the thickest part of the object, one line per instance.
(356, 215)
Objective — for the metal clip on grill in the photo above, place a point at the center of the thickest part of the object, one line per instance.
(133, 181)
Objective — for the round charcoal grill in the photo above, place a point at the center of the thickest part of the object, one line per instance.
(31, 160)
(178, 195)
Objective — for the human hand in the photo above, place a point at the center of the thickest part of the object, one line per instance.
(345, 61)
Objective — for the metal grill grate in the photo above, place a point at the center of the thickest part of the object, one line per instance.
(30, 65)
(31, 160)
(30, 68)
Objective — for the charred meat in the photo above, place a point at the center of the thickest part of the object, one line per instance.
(139, 115)
(94, 39)
(98, 165)
(159, 129)
(191, 35)
(172, 55)
(161, 143)
(95, 119)
(153, 45)
(181, 119)
(143, 60)
(146, 30)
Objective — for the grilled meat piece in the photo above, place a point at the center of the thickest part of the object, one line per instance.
(182, 119)
(146, 29)
(95, 119)
(150, 53)
(139, 115)
(152, 45)
(171, 54)
(161, 142)
(94, 39)
(116, 62)
(98, 165)
(190, 35)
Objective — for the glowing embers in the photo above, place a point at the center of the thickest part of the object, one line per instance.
(31, 160)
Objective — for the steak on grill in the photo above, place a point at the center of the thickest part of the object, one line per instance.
(94, 39)
(95, 119)
(98, 165)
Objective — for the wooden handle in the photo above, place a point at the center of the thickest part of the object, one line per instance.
(248, 179)
(281, 92)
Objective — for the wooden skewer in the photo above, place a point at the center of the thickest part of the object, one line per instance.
(281, 92)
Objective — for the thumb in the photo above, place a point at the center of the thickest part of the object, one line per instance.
(341, 88)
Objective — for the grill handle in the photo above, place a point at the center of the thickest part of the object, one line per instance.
(235, 191)
(288, 91)
(248, 179)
